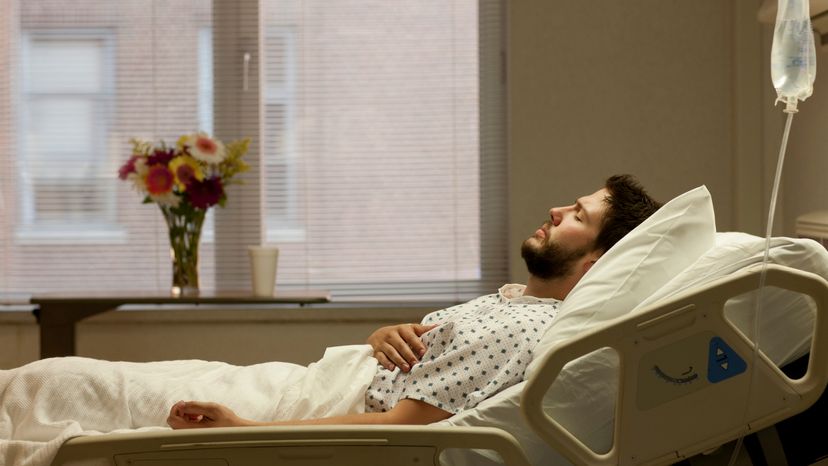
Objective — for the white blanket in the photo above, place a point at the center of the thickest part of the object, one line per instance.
(47, 402)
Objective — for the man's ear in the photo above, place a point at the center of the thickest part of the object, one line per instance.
(592, 257)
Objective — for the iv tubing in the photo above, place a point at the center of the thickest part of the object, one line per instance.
(771, 211)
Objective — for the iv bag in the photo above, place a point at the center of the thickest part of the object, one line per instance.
(793, 58)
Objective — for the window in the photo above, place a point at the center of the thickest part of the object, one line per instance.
(377, 156)
(77, 81)
(383, 146)
(279, 101)
(66, 100)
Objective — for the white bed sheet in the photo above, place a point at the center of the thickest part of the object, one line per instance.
(48, 401)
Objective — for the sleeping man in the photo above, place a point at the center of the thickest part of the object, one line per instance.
(457, 357)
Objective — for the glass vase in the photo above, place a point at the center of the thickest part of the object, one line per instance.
(184, 227)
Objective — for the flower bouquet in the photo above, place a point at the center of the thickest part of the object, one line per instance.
(185, 181)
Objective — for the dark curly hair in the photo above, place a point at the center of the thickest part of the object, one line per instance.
(628, 204)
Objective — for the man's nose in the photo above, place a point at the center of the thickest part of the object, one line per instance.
(557, 213)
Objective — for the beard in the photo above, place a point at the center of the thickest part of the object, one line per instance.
(550, 259)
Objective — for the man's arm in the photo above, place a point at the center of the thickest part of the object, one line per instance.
(195, 414)
(399, 345)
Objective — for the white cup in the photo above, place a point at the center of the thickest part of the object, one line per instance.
(263, 260)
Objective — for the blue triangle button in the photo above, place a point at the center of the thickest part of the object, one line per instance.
(722, 362)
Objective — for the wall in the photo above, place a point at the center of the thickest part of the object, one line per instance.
(666, 90)
(806, 161)
(18, 338)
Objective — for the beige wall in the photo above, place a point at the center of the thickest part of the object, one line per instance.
(667, 90)
(598, 88)
(806, 161)
(18, 339)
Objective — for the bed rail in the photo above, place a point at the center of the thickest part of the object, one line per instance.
(300, 445)
(664, 414)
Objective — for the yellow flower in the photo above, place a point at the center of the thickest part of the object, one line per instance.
(185, 169)
(182, 141)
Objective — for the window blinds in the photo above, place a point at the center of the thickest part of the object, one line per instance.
(377, 127)
(82, 78)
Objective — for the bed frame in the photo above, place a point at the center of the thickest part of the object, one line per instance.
(665, 414)
(301, 445)
(670, 422)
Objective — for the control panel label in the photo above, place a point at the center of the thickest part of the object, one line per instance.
(722, 361)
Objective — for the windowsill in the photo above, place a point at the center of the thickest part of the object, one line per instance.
(55, 235)
(248, 314)
(391, 312)
(14, 299)
(17, 315)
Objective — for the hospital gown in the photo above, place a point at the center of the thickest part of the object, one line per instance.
(477, 350)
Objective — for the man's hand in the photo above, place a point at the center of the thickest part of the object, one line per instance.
(191, 414)
(399, 345)
(195, 414)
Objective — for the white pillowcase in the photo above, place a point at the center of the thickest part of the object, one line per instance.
(582, 397)
(787, 318)
(638, 265)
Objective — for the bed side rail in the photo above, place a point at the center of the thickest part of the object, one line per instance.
(684, 375)
(300, 445)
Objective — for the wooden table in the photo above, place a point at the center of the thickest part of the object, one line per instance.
(57, 313)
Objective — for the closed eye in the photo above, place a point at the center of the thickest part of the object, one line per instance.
(581, 213)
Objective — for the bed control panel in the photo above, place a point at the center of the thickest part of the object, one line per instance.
(684, 367)
(722, 362)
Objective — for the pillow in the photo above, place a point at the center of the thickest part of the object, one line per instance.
(582, 398)
(792, 312)
(638, 265)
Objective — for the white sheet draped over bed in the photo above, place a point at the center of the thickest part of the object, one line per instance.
(46, 402)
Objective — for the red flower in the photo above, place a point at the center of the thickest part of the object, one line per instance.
(128, 168)
(159, 179)
(204, 194)
(160, 157)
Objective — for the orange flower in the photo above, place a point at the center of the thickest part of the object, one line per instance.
(159, 179)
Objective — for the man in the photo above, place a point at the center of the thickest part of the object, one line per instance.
(457, 357)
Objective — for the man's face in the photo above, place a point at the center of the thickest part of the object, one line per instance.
(568, 235)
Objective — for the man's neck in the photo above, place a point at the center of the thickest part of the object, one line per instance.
(556, 288)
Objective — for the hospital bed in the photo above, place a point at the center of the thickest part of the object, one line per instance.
(659, 419)
(688, 287)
